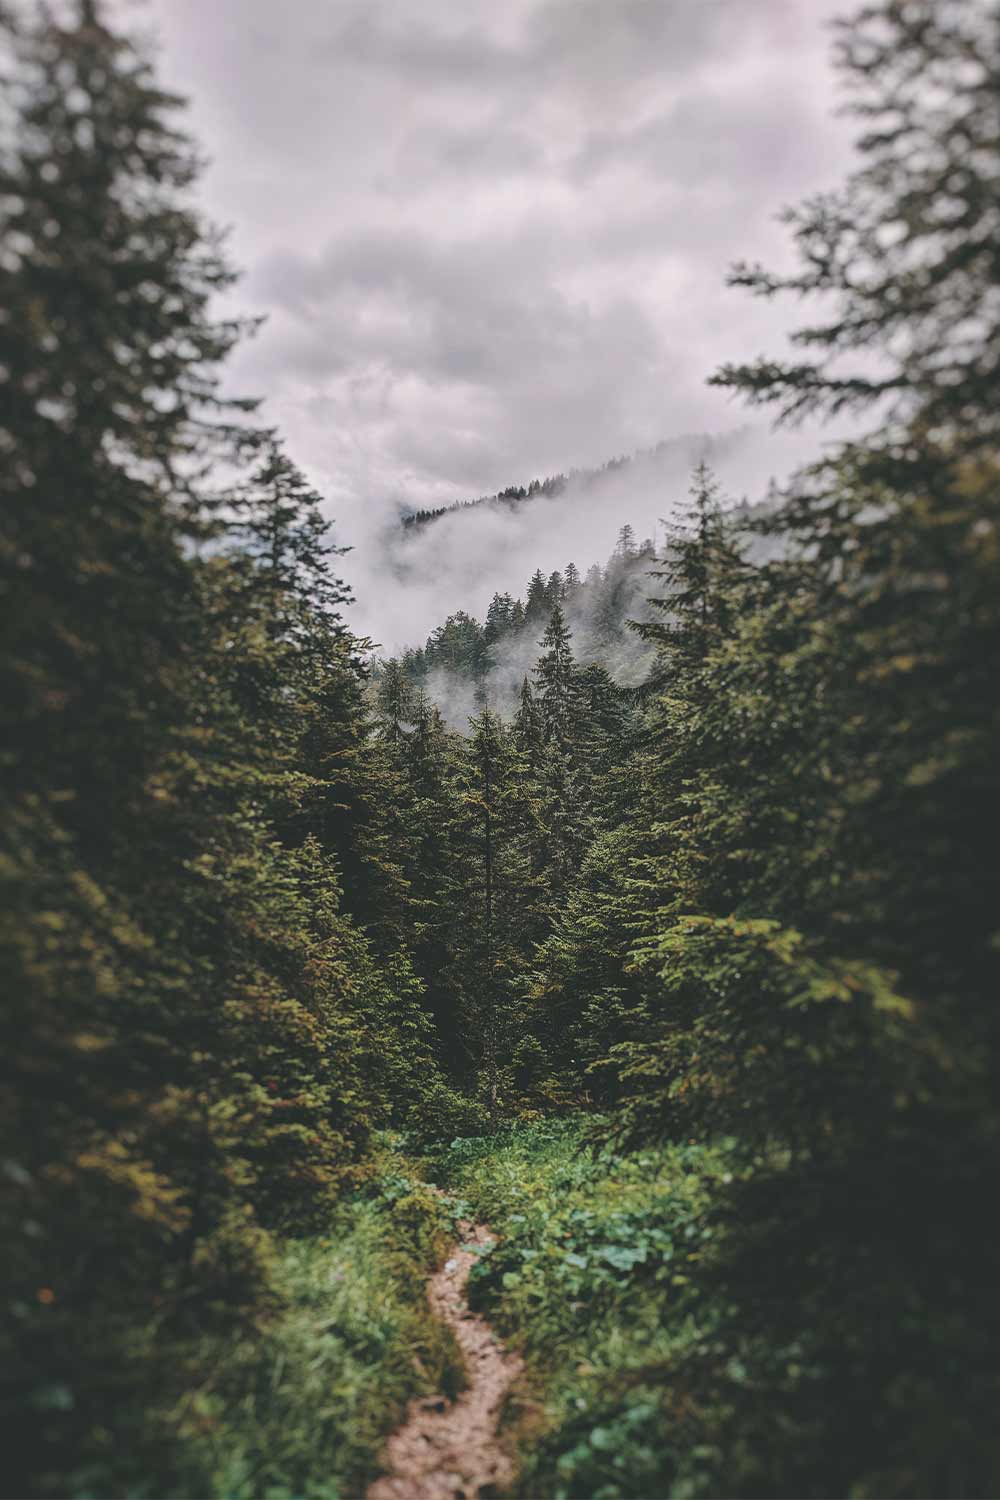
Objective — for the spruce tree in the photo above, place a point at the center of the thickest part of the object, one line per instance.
(199, 1042)
(565, 821)
(557, 687)
(537, 605)
(702, 569)
(528, 731)
(904, 255)
(818, 941)
(488, 882)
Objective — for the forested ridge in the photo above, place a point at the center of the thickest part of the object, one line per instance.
(682, 975)
(413, 518)
(465, 665)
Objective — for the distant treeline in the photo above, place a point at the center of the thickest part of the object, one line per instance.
(556, 484)
(599, 605)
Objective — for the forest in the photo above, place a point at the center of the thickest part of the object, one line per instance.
(650, 922)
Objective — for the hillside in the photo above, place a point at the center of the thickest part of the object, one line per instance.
(466, 665)
(634, 468)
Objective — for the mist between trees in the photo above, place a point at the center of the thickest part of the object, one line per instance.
(713, 893)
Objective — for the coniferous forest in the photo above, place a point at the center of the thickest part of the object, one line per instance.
(674, 962)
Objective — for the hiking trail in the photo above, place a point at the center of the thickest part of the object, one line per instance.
(450, 1450)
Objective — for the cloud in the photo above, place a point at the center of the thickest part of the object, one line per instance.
(408, 581)
(491, 241)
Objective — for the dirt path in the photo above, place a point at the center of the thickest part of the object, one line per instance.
(449, 1450)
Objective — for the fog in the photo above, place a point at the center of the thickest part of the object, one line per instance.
(407, 581)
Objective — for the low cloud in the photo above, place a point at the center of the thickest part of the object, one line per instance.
(491, 241)
(408, 581)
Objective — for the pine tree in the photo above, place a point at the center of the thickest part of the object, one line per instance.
(702, 569)
(565, 817)
(625, 545)
(488, 882)
(537, 606)
(107, 287)
(904, 254)
(499, 618)
(428, 759)
(820, 942)
(557, 682)
(395, 700)
(459, 647)
(275, 525)
(199, 1041)
(529, 736)
(610, 604)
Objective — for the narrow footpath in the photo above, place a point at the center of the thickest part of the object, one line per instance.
(449, 1450)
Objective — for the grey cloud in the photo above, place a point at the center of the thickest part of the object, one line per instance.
(435, 152)
(464, 58)
(487, 338)
(719, 153)
(491, 240)
(478, 311)
(580, 44)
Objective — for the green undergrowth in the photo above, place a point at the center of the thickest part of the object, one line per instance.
(596, 1279)
(297, 1408)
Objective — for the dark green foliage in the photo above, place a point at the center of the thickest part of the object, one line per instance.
(598, 1278)
(257, 908)
(818, 958)
(301, 1407)
(463, 662)
(787, 935)
(488, 894)
(197, 1040)
(907, 252)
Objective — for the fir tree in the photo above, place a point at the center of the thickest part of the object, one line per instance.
(395, 698)
(625, 545)
(537, 606)
(557, 682)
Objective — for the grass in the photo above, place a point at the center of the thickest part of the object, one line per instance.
(297, 1409)
(596, 1280)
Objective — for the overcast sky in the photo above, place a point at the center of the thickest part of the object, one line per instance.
(490, 239)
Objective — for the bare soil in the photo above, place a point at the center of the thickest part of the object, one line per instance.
(449, 1450)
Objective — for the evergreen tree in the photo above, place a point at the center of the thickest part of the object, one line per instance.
(625, 545)
(556, 676)
(821, 944)
(198, 1042)
(904, 254)
(499, 618)
(537, 606)
(702, 571)
(529, 736)
(489, 880)
(458, 646)
(395, 700)
(610, 604)
(565, 822)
